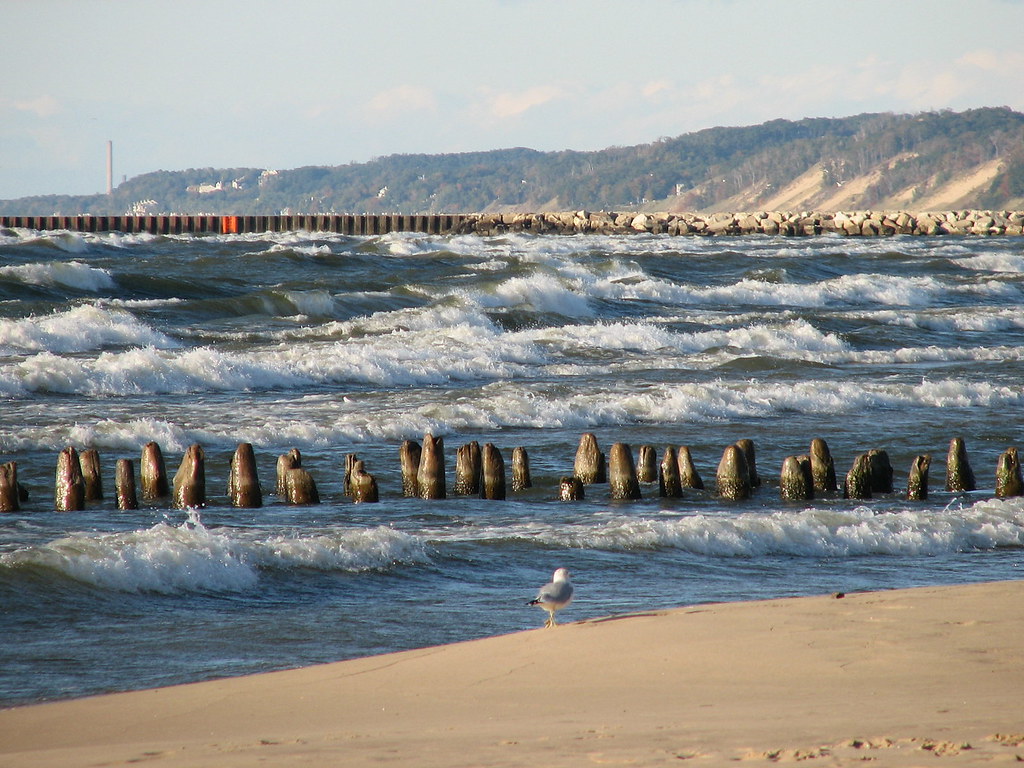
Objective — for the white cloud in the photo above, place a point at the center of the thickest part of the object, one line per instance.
(506, 104)
(401, 99)
(41, 106)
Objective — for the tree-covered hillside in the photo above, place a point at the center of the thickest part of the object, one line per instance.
(886, 159)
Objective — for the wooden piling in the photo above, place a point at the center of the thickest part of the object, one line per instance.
(124, 485)
(190, 479)
(69, 488)
(243, 481)
(622, 473)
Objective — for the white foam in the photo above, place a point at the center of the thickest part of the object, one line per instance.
(813, 532)
(79, 329)
(189, 557)
(67, 274)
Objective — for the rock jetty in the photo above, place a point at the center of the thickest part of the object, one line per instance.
(791, 223)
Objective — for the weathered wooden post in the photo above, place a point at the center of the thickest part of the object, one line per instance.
(492, 484)
(409, 455)
(917, 481)
(733, 475)
(430, 480)
(858, 479)
(1008, 477)
(69, 489)
(190, 479)
(286, 461)
(520, 470)
(647, 466)
(468, 469)
(823, 468)
(124, 485)
(363, 485)
(688, 475)
(589, 466)
(881, 471)
(91, 474)
(300, 488)
(153, 472)
(796, 481)
(747, 446)
(668, 475)
(959, 476)
(243, 482)
(622, 473)
(10, 498)
(570, 489)
(351, 460)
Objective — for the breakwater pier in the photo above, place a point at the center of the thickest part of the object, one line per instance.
(786, 223)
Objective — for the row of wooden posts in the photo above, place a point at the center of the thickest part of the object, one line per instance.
(481, 471)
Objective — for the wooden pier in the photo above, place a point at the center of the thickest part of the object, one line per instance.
(346, 224)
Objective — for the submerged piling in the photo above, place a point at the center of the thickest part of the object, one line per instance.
(153, 473)
(959, 476)
(299, 487)
(468, 469)
(589, 466)
(688, 475)
(823, 468)
(622, 476)
(668, 475)
(492, 484)
(243, 482)
(858, 479)
(1008, 476)
(10, 497)
(570, 489)
(124, 485)
(409, 455)
(285, 462)
(647, 465)
(363, 485)
(69, 488)
(190, 479)
(521, 479)
(430, 480)
(796, 480)
(733, 475)
(917, 481)
(91, 474)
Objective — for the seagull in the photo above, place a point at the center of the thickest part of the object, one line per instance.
(555, 595)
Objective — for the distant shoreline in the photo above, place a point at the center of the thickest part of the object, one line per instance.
(779, 223)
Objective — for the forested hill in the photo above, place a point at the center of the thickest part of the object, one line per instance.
(928, 161)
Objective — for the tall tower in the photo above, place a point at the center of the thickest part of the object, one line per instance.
(110, 167)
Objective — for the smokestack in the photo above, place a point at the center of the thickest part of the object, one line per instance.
(110, 167)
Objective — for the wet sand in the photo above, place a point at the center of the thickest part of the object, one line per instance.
(922, 676)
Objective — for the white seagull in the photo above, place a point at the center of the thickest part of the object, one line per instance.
(555, 595)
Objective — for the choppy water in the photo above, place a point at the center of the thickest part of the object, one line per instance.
(336, 344)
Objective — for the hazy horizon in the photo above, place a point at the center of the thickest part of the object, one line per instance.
(265, 84)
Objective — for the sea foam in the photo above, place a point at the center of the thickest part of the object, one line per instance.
(67, 274)
(189, 557)
(82, 328)
(815, 532)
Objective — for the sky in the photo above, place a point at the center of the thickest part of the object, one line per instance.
(282, 84)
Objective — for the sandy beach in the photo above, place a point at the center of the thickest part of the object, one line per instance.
(905, 677)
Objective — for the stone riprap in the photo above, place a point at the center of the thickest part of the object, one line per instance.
(855, 223)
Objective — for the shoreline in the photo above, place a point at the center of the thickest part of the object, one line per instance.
(898, 676)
